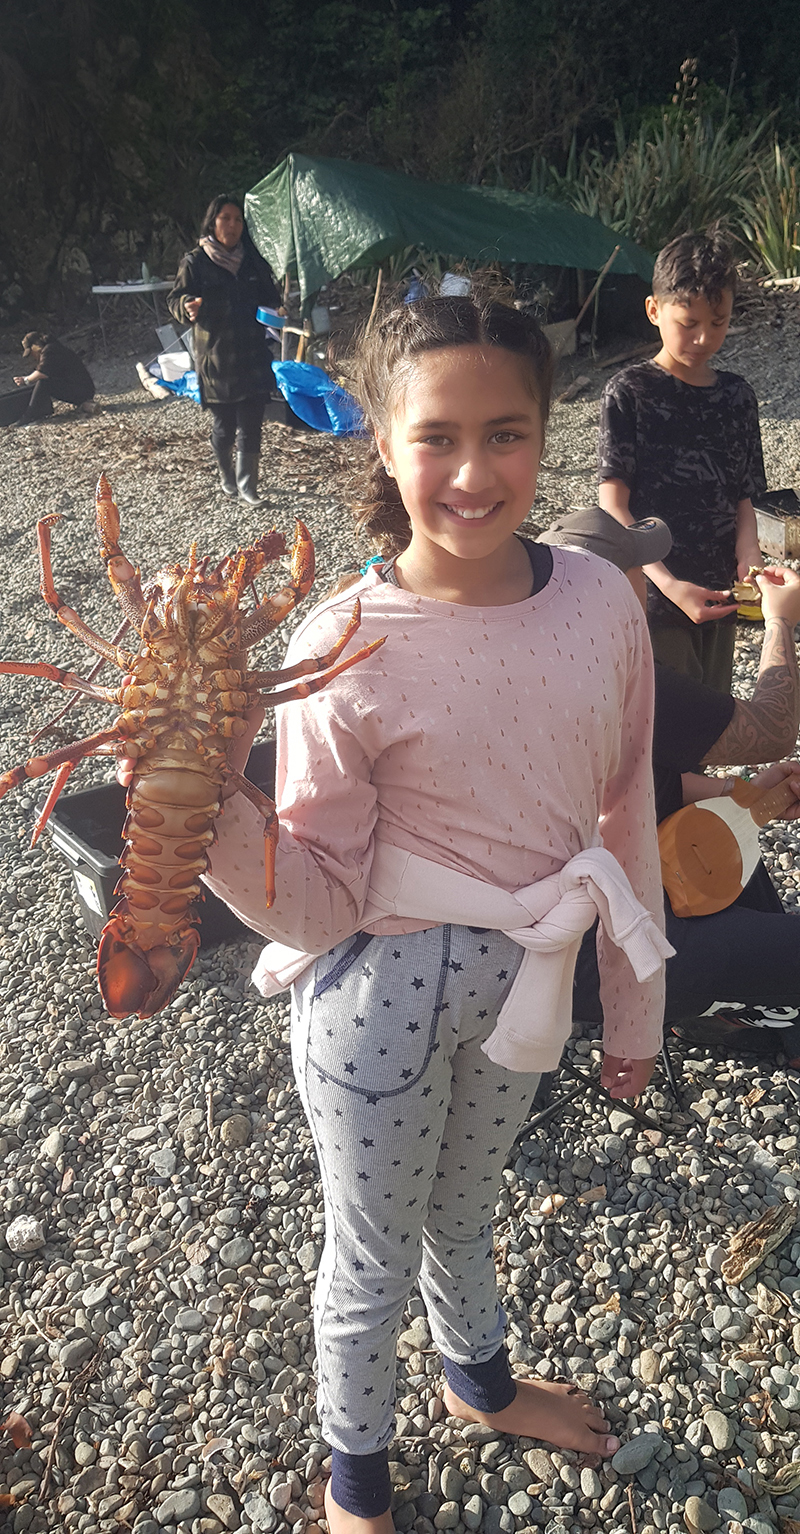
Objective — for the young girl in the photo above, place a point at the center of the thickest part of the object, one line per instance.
(469, 758)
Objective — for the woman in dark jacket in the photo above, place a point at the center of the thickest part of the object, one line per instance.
(219, 286)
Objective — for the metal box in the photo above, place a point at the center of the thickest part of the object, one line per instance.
(778, 523)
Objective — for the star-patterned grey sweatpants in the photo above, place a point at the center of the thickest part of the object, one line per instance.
(412, 1125)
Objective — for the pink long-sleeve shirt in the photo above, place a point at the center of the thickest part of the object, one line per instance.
(488, 740)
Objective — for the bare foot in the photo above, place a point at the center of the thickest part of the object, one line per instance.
(340, 1522)
(560, 1415)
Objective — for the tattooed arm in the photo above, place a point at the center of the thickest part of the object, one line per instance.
(765, 729)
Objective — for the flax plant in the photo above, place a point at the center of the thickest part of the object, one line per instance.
(770, 221)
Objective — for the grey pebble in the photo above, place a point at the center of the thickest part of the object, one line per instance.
(472, 1512)
(179, 1506)
(237, 1252)
(721, 1429)
(260, 1513)
(731, 1503)
(700, 1514)
(73, 1355)
(636, 1453)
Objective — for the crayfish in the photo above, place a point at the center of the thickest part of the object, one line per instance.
(183, 700)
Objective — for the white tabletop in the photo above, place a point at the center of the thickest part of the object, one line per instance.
(155, 286)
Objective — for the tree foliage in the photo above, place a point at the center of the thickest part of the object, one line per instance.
(119, 122)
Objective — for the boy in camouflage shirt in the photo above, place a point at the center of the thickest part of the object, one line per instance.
(680, 440)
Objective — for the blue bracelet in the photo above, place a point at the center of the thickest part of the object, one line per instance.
(377, 559)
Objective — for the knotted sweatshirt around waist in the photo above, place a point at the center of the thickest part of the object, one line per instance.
(547, 919)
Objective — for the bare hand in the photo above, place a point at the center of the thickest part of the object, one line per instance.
(191, 305)
(625, 1078)
(20, 381)
(751, 561)
(694, 601)
(780, 593)
(238, 752)
(125, 768)
(772, 776)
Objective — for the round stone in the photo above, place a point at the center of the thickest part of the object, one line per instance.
(452, 1483)
(97, 1294)
(24, 1234)
(591, 1485)
(236, 1130)
(308, 1256)
(189, 1320)
(52, 1146)
(224, 1508)
(636, 1453)
(260, 1513)
(448, 1516)
(237, 1252)
(698, 1514)
(649, 1367)
(721, 1429)
(731, 1503)
(73, 1355)
(472, 1513)
(179, 1506)
(519, 1503)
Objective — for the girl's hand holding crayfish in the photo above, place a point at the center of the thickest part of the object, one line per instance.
(237, 757)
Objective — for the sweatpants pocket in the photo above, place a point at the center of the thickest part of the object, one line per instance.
(374, 1014)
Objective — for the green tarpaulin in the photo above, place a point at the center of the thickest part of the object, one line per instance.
(316, 218)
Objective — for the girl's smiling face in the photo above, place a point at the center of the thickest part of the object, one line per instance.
(464, 446)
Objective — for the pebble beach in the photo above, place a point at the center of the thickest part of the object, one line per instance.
(160, 1208)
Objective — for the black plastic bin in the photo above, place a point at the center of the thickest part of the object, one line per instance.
(87, 831)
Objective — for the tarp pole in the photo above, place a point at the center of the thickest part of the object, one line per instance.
(368, 326)
(609, 263)
(284, 336)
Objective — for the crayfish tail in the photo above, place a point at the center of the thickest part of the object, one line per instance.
(136, 981)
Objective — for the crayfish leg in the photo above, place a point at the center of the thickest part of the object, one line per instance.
(50, 803)
(262, 802)
(37, 766)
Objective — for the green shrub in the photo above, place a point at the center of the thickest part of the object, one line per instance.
(770, 219)
(680, 174)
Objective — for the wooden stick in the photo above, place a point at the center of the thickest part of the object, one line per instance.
(630, 1505)
(284, 337)
(374, 301)
(609, 263)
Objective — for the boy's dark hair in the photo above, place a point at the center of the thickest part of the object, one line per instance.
(695, 263)
(383, 362)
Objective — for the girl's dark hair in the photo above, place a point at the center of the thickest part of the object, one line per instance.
(214, 209)
(695, 264)
(381, 368)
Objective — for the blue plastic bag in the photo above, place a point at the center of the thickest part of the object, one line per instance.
(186, 386)
(317, 400)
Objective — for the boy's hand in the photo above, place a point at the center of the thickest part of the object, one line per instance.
(625, 1078)
(752, 559)
(694, 601)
